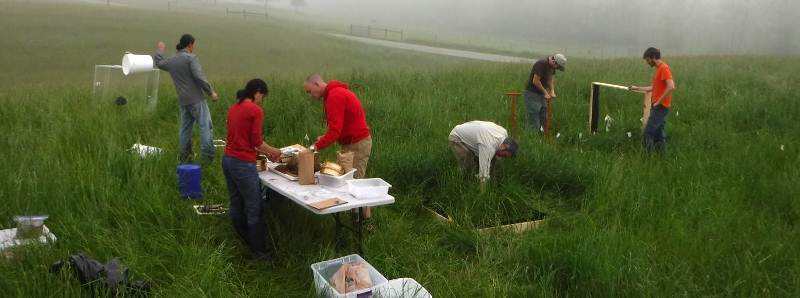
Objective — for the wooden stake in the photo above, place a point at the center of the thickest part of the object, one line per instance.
(513, 112)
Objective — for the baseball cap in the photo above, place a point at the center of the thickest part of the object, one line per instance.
(560, 60)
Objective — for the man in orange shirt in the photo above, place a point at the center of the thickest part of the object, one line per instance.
(655, 133)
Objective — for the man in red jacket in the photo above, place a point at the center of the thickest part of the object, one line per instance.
(347, 123)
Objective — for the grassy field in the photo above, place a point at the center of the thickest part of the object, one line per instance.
(717, 215)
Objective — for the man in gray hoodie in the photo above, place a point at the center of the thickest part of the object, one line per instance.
(192, 88)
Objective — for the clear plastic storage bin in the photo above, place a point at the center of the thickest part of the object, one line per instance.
(30, 226)
(324, 271)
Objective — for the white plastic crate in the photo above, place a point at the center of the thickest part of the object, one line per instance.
(335, 181)
(368, 188)
(323, 271)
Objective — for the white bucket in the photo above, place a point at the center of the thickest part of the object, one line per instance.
(132, 63)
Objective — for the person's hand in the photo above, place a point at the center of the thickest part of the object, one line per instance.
(214, 96)
(274, 154)
(552, 95)
(547, 96)
(161, 46)
(313, 146)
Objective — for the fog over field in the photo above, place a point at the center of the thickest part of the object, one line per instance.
(693, 27)
(615, 26)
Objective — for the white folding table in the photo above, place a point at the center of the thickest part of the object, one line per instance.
(304, 195)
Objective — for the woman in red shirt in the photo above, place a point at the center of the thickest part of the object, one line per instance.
(245, 120)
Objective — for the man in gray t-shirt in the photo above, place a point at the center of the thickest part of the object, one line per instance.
(192, 88)
(540, 88)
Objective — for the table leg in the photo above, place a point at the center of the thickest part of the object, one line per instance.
(357, 219)
(264, 193)
(357, 224)
(339, 242)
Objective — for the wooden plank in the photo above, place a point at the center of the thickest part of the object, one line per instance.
(616, 87)
(646, 109)
(594, 108)
(516, 228)
(610, 85)
(438, 216)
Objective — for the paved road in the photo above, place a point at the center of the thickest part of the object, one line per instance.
(438, 51)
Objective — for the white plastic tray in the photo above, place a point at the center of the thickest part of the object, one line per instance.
(368, 188)
(271, 166)
(335, 181)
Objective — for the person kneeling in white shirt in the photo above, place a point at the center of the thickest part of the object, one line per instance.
(481, 140)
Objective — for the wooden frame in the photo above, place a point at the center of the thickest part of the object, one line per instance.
(594, 104)
(513, 227)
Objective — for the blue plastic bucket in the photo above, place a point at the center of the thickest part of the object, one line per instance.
(189, 181)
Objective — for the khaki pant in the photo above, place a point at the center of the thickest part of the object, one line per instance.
(361, 152)
(466, 158)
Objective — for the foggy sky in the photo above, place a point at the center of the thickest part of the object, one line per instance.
(684, 26)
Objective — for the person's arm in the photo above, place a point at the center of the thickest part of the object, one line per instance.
(485, 155)
(537, 83)
(553, 87)
(200, 78)
(667, 92)
(334, 114)
(255, 138)
(274, 154)
(640, 88)
(159, 59)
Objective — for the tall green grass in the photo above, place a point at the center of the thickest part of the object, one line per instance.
(715, 216)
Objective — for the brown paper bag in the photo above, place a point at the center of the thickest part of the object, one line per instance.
(338, 279)
(345, 159)
(358, 273)
(305, 167)
(351, 277)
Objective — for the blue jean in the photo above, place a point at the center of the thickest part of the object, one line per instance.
(190, 114)
(246, 205)
(655, 131)
(537, 110)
